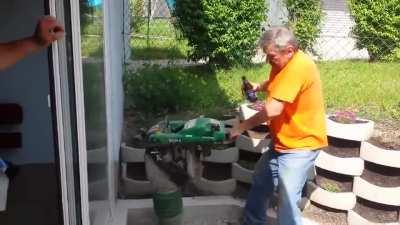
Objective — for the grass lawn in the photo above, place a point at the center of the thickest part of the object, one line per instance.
(163, 42)
(370, 88)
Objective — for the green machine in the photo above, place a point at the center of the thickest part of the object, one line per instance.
(168, 143)
(173, 148)
(196, 131)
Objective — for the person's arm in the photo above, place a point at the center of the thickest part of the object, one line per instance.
(273, 108)
(47, 31)
(12, 52)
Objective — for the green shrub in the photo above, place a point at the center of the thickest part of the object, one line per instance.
(136, 8)
(224, 32)
(198, 89)
(305, 17)
(151, 92)
(377, 27)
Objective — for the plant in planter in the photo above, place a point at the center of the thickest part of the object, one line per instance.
(345, 124)
(331, 187)
(344, 116)
(333, 182)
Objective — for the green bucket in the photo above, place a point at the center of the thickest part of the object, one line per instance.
(167, 205)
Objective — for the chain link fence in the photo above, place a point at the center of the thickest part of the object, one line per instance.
(153, 37)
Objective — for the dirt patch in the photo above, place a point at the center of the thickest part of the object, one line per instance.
(382, 176)
(333, 182)
(387, 134)
(324, 215)
(343, 148)
(376, 212)
(387, 145)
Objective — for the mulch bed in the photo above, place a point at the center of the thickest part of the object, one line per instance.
(382, 176)
(343, 148)
(324, 215)
(333, 182)
(376, 212)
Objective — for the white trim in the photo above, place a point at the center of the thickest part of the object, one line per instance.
(108, 98)
(60, 125)
(80, 110)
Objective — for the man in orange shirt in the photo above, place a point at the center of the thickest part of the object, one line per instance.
(295, 111)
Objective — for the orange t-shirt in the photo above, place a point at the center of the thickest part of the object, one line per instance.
(301, 125)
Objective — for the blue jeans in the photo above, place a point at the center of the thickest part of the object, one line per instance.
(288, 173)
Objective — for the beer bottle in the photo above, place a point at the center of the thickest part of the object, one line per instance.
(247, 90)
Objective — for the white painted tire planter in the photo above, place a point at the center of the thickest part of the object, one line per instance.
(254, 143)
(354, 131)
(371, 192)
(341, 201)
(245, 112)
(135, 187)
(377, 155)
(131, 154)
(4, 182)
(347, 166)
(97, 188)
(242, 174)
(231, 122)
(354, 219)
(223, 187)
(228, 155)
(98, 155)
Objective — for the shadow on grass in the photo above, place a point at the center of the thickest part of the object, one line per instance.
(154, 53)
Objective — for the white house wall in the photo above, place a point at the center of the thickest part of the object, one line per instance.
(335, 41)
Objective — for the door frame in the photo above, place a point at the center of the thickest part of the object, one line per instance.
(67, 102)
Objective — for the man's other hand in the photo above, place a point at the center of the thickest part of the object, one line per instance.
(235, 131)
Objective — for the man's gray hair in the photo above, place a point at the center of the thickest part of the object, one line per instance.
(280, 37)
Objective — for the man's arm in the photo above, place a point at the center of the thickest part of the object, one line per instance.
(273, 108)
(47, 31)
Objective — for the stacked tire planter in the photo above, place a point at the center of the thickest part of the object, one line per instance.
(378, 188)
(134, 182)
(251, 145)
(347, 176)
